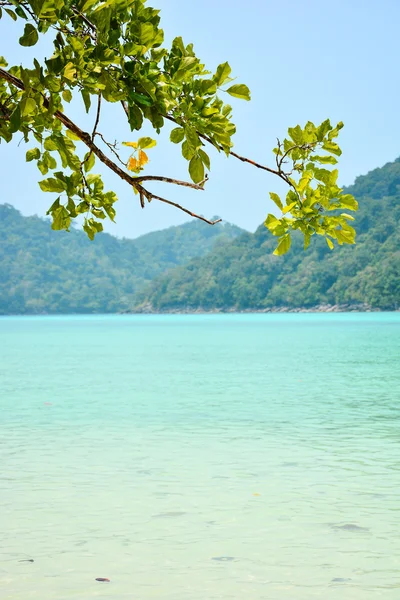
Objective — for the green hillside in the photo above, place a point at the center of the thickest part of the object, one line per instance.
(244, 274)
(46, 271)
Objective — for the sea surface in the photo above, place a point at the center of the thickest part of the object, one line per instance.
(241, 457)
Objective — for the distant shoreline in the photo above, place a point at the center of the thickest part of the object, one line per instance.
(322, 308)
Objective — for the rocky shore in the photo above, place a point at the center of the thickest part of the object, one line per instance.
(321, 308)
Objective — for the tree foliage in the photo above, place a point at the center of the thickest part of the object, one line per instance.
(43, 271)
(112, 51)
(243, 275)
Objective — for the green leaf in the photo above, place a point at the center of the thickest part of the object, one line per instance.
(296, 134)
(98, 212)
(61, 218)
(323, 129)
(348, 201)
(87, 227)
(196, 169)
(275, 198)
(187, 151)
(135, 117)
(21, 13)
(70, 71)
(177, 135)
(32, 154)
(283, 245)
(146, 34)
(53, 207)
(328, 160)
(205, 158)
(146, 142)
(306, 177)
(330, 243)
(332, 148)
(346, 216)
(11, 13)
(87, 5)
(345, 236)
(192, 138)
(67, 95)
(209, 111)
(37, 6)
(52, 185)
(15, 119)
(222, 73)
(187, 63)
(289, 207)
(136, 97)
(28, 106)
(110, 212)
(239, 91)
(274, 225)
(30, 36)
(3, 62)
(335, 132)
(90, 160)
(86, 100)
(71, 135)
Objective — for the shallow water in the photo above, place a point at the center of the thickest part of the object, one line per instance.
(200, 457)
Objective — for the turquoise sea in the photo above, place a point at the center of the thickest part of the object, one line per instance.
(241, 457)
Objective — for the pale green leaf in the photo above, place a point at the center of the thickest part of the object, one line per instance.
(32, 154)
(222, 74)
(275, 198)
(146, 142)
(239, 90)
(177, 135)
(330, 243)
(196, 169)
(89, 161)
(283, 245)
(52, 185)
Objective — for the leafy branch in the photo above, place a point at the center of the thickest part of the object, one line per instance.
(112, 52)
(94, 149)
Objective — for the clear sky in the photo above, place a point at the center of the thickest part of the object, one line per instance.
(307, 60)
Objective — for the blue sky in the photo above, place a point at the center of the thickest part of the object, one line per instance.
(307, 60)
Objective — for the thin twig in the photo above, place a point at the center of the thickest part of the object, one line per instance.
(84, 19)
(97, 116)
(232, 153)
(300, 147)
(111, 147)
(195, 186)
(192, 214)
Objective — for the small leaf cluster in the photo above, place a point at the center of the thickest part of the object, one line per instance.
(314, 203)
(138, 159)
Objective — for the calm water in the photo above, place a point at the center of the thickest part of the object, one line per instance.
(199, 457)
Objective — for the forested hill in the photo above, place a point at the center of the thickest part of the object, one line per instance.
(244, 275)
(46, 271)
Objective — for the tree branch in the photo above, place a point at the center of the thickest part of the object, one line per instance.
(153, 197)
(195, 186)
(277, 172)
(89, 24)
(86, 139)
(111, 147)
